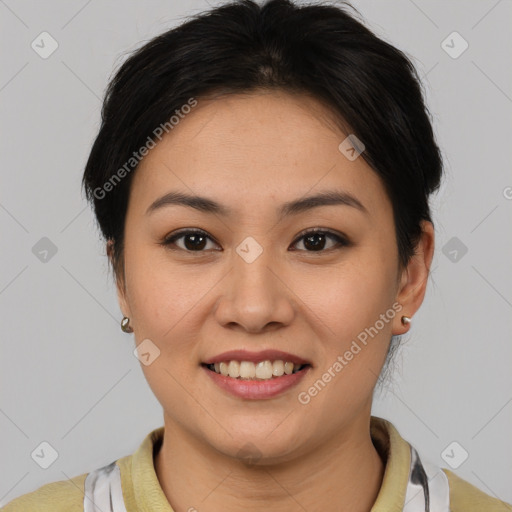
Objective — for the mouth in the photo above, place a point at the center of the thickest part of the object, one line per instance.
(261, 371)
(256, 376)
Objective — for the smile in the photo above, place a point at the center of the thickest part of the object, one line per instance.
(247, 370)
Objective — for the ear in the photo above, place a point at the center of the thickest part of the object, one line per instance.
(120, 283)
(413, 281)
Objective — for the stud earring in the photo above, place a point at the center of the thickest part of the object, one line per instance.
(406, 320)
(125, 325)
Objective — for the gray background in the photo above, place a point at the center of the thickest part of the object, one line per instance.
(68, 373)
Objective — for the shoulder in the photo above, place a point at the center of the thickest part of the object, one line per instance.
(109, 484)
(465, 497)
(61, 496)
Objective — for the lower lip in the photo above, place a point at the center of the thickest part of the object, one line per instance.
(257, 389)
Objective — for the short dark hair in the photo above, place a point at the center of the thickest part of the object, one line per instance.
(370, 86)
(241, 47)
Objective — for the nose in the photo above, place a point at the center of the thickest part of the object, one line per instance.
(255, 294)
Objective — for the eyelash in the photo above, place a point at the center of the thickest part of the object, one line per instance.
(341, 240)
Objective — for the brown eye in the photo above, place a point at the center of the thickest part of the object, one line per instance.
(315, 240)
(193, 240)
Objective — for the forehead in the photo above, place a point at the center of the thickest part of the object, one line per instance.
(242, 148)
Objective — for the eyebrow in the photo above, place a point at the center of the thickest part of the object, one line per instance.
(207, 205)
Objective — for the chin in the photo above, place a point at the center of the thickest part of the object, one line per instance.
(259, 446)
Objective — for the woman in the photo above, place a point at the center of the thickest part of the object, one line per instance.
(261, 177)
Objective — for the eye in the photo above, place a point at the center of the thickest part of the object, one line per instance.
(315, 239)
(194, 240)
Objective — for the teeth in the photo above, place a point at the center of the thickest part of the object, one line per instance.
(247, 370)
(288, 368)
(264, 370)
(234, 369)
(278, 368)
(223, 369)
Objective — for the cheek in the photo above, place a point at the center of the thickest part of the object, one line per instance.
(352, 340)
(165, 302)
(161, 293)
(347, 298)
(171, 305)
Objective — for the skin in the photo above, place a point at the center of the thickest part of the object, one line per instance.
(251, 153)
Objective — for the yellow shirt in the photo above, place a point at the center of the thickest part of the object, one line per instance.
(130, 484)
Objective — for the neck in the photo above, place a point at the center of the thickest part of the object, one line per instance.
(344, 473)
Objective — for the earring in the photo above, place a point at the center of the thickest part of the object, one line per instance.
(125, 325)
(406, 320)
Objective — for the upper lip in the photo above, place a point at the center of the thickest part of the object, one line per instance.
(256, 357)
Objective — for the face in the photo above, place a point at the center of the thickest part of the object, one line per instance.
(256, 278)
